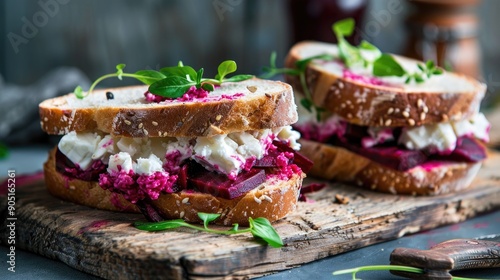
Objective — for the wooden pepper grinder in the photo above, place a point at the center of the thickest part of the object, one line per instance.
(446, 32)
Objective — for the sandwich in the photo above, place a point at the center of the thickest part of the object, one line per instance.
(226, 148)
(386, 122)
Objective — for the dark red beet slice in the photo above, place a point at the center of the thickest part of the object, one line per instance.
(219, 185)
(149, 211)
(182, 177)
(301, 161)
(468, 150)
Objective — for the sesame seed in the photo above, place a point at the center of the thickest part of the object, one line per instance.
(145, 132)
(388, 122)
(349, 116)
(390, 111)
(185, 200)
(160, 133)
(337, 92)
(420, 103)
(127, 122)
(267, 198)
(342, 105)
(45, 119)
(182, 214)
(445, 117)
(341, 85)
(405, 114)
(165, 134)
(268, 95)
(177, 203)
(257, 200)
(422, 116)
(381, 121)
(140, 125)
(154, 123)
(348, 101)
(411, 122)
(425, 109)
(218, 117)
(252, 89)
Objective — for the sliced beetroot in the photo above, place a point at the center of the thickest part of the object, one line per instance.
(314, 187)
(395, 157)
(468, 150)
(68, 168)
(219, 185)
(149, 211)
(182, 177)
(301, 161)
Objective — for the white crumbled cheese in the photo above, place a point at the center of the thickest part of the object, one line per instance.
(222, 153)
(439, 137)
(122, 160)
(79, 147)
(129, 145)
(478, 127)
(148, 165)
(292, 136)
(104, 147)
(219, 152)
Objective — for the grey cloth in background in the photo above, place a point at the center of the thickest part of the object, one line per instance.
(20, 122)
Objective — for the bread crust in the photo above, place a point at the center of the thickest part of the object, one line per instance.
(337, 163)
(372, 105)
(181, 119)
(273, 199)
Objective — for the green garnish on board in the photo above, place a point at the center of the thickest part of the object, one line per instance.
(173, 82)
(260, 228)
(411, 269)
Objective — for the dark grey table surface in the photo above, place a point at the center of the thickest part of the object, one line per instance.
(31, 266)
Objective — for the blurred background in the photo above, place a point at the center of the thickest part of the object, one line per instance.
(50, 46)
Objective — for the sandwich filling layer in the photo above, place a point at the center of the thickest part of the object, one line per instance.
(142, 168)
(403, 148)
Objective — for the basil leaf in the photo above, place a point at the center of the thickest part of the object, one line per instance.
(386, 65)
(119, 70)
(207, 218)
(186, 72)
(149, 76)
(262, 228)
(343, 27)
(171, 86)
(79, 92)
(238, 78)
(163, 225)
(199, 75)
(226, 67)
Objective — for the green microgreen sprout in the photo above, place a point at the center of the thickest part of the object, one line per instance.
(383, 64)
(4, 151)
(260, 228)
(410, 269)
(173, 82)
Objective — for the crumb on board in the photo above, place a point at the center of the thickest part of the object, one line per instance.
(340, 199)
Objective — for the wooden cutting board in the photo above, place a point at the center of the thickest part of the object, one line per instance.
(105, 244)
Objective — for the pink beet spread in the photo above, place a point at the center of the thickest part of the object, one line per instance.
(136, 187)
(193, 94)
(363, 79)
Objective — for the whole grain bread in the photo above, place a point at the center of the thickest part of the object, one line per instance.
(248, 105)
(273, 199)
(339, 164)
(442, 98)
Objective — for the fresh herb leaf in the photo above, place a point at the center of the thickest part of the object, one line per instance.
(307, 104)
(163, 225)
(4, 151)
(365, 45)
(429, 64)
(302, 64)
(79, 92)
(199, 75)
(171, 86)
(226, 67)
(119, 70)
(207, 218)
(262, 228)
(386, 65)
(344, 27)
(238, 78)
(207, 86)
(437, 71)
(186, 72)
(148, 77)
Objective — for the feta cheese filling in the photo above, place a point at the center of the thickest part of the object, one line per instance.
(226, 154)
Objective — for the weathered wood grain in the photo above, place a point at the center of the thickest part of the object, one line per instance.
(105, 244)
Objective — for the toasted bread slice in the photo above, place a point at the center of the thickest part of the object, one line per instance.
(273, 199)
(248, 105)
(441, 98)
(337, 163)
